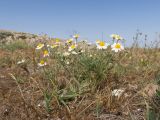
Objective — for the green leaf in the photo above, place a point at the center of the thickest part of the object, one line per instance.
(151, 115)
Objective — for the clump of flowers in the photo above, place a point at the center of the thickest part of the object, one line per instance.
(116, 37)
(117, 45)
(71, 45)
(44, 52)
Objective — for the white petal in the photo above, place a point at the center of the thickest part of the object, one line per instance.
(113, 46)
(73, 52)
(122, 47)
(116, 50)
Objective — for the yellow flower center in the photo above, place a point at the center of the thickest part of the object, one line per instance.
(42, 62)
(73, 46)
(118, 46)
(76, 36)
(102, 43)
(53, 46)
(45, 52)
(57, 40)
(40, 45)
(69, 41)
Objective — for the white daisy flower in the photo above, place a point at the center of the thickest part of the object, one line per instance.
(39, 46)
(116, 37)
(117, 47)
(69, 41)
(42, 63)
(72, 47)
(102, 45)
(76, 36)
(117, 92)
(45, 53)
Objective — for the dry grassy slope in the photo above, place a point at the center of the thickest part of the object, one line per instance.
(141, 67)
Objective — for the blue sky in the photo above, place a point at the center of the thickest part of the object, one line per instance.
(90, 18)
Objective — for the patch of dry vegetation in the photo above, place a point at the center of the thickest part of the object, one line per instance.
(80, 85)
